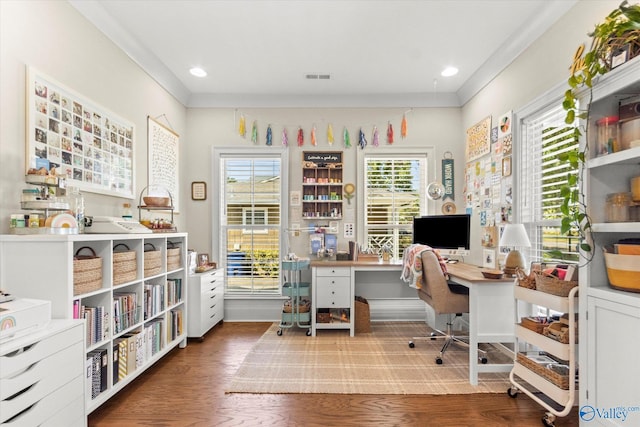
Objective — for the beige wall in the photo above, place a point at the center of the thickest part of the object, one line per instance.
(57, 40)
(54, 38)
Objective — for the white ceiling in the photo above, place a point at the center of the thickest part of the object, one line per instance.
(378, 52)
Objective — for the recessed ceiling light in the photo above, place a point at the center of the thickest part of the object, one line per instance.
(449, 71)
(198, 72)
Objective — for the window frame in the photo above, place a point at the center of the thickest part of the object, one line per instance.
(218, 240)
(427, 206)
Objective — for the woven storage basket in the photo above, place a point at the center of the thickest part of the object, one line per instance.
(87, 272)
(533, 325)
(125, 265)
(555, 373)
(554, 286)
(173, 256)
(524, 280)
(363, 317)
(152, 261)
(304, 306)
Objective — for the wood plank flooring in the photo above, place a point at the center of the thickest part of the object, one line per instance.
(186, 388)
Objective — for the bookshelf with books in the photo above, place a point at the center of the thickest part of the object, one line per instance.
(130, 325)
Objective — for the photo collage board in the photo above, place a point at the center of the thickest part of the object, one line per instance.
(72, 137)
(488, 185)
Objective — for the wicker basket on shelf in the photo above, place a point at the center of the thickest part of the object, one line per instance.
(556, 373)
(304, 306)
(363, 316)
(125, 264)
(524, 280)
(87, 272)
(173, 256)
(553, 285)
(152, 261)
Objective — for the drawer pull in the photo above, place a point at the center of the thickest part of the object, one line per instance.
(19, 351)
(211, 306)
(212, 296)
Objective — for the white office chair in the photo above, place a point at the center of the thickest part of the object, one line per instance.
(437, 292)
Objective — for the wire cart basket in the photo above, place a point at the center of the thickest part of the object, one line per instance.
(297, 309)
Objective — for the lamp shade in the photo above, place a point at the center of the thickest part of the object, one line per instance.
(514, 235)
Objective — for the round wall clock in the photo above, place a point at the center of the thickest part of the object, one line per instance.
(449, 208)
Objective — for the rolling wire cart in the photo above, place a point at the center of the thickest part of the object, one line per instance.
(555, 393)
(293, 287)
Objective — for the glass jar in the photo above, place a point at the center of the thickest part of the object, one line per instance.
(618, 207)
(127, 213)
(608, 135)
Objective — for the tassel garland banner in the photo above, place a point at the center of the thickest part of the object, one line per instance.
(403, 127)
(390, 133)
(269, 136)
(346, 138)
(285, 137)
(242, 129)
(376, 138)
(330, 139)
(254, 132)
(313, 136)
(300, 137)
(362, 141)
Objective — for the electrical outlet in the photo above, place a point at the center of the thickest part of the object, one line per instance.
(348, 230)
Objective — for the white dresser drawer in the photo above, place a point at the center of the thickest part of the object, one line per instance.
(16, 360)
(42, 376)
(333, 271)
(333, 292)
(48, 408)
(205, 306)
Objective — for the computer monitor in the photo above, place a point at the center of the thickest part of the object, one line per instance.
(450, 234)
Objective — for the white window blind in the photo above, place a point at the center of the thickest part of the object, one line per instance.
(394, 195)
(250, 221)
(544, 136)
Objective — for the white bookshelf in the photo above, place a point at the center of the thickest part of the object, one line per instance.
(41, 266)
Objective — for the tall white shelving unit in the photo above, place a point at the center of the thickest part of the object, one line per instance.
(41, 266)
(609, 318)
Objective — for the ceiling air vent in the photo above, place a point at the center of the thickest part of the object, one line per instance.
(316, 76)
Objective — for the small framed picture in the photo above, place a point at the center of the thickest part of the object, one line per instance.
(619, 56)
(506, 166)
(199, 190)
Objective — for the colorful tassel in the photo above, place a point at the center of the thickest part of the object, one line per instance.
(242, 129)
(269, 136)
(313, 136)
(362, 141)
(300, 137)
(390, 133)
(346, 138)
(403, 127)
(254, 132)
(376, 137)
(330, 138)
(285, 138)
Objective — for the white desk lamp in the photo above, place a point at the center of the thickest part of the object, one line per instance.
(514, 236)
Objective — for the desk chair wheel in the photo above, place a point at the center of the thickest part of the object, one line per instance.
(438, 360)
(483, 360)
(411, 344)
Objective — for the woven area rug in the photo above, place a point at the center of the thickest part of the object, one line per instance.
(379, 362)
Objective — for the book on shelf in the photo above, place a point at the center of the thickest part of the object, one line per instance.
(123, 346)
(115, 361)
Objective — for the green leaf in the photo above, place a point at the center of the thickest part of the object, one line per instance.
(571, 117)
(565, 191)
(585, 247)
(572, 180)
(554, 254)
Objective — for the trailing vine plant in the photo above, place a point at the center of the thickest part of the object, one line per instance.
(621, 27)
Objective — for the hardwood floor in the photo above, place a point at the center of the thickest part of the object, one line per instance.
(186, 388)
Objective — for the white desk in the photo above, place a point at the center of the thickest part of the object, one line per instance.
(491, 306)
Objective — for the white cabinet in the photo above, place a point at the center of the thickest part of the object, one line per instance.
(608, 349)
(528, 372)
(41, 377)
(332, 302)
(205, 304)
(150, 311)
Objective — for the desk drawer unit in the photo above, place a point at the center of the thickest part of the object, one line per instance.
(333, 292)
(41, 377)
(206, 302)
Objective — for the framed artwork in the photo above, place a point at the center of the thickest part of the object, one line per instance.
(506, 166)
(67, 133)
(198, 190)
(163, 145)
(479, 139)
(505, 124)
(489, 258)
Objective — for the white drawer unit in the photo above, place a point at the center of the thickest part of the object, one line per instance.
(205, 305)
(41, 377)
(332, 301)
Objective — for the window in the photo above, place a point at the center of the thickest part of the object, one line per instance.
(248, 226)
(544, 136)
(394, 193)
